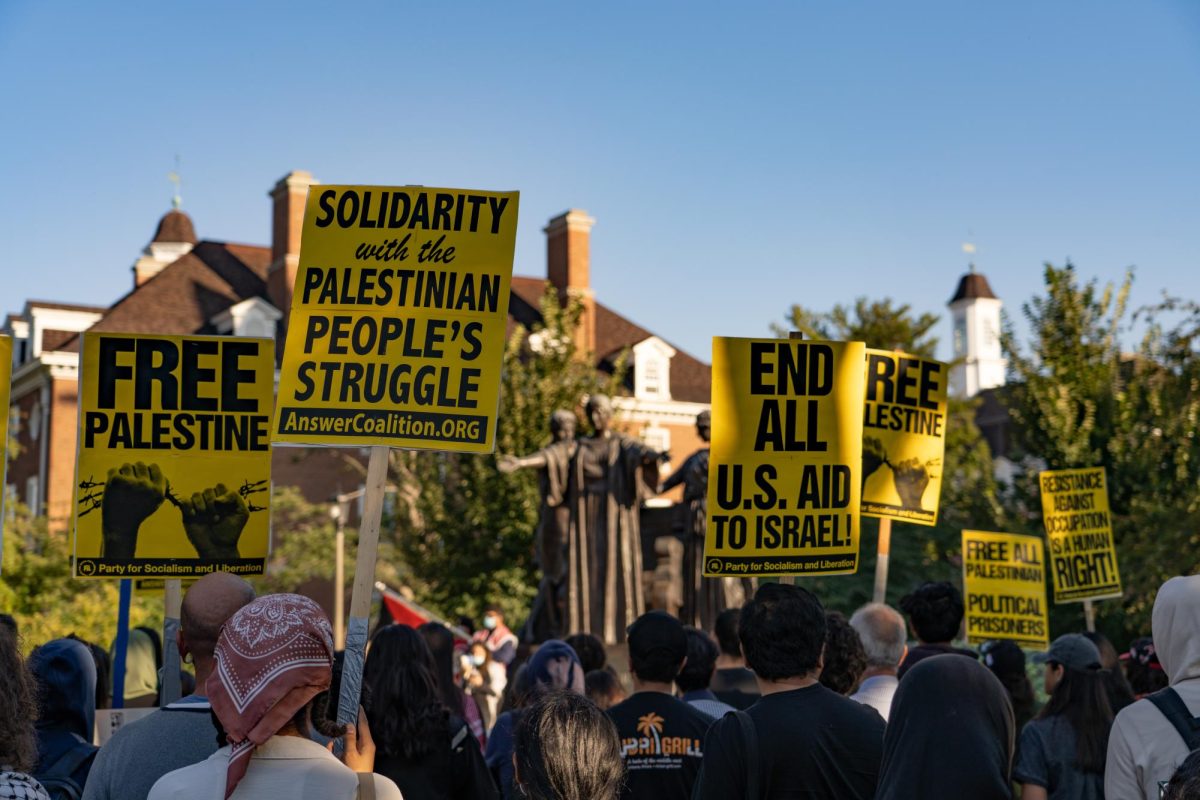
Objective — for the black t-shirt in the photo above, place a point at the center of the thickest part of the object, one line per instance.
(812, 743)
(735, 686)
(661, 740)
(454, 770)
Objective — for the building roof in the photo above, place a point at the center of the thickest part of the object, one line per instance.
(691, 378)
(973, 285)
(65, 306)
(188, 292)
(175, 226)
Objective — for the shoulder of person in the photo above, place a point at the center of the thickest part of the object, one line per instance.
(386, 788)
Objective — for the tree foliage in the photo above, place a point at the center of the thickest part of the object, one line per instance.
(465, 529)
(877, 322)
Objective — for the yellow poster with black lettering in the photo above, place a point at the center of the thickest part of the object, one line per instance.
(5, 387)
(398, 320)
(785, 464)
(173, 472)
(1004, 583)
(1083, 557)
(904, 436)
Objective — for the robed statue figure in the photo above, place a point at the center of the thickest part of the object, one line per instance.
(703, 598)
(609, 474)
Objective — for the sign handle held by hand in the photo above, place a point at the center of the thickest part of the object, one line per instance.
(364, 585)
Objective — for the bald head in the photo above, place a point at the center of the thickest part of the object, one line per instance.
(207, 605)
(883, 634)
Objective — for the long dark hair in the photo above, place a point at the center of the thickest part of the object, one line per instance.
(565, 748)
(441, 645)
(1081, 698)
(407, 717)
(1119, 692)
(18, 744)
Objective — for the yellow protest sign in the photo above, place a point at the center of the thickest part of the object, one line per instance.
(1004, 580)
(786, 457)
(5, 386)
(173, 472)
(1083, 558)
(398, 319)
(904, 436)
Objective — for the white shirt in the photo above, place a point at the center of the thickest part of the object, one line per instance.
(876, 692)
(282, 767)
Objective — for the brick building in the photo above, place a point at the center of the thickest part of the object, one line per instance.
(185, 285)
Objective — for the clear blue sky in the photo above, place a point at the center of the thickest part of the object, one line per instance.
(737, 158)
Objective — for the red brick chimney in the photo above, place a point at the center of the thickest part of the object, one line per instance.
(287, 221)
(568, 269)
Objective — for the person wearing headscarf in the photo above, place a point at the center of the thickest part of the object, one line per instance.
(950, 734)
(269, 691)
(64, 674)
(553, 666)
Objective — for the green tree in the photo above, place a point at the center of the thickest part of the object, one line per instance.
(970, 497)
(464, 529)
(1078, 400)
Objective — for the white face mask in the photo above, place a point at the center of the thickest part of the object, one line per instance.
(478, 661)
(490, 622)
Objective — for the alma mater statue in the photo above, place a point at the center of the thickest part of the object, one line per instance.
(606, 477)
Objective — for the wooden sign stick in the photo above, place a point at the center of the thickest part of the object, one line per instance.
(364, 585)
(881, 559)
(171, 690)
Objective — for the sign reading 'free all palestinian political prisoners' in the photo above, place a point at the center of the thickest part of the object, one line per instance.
(904, 437)
(1004, 580)
(173, 474)
(1083, 558)
(786, 457)
(398, 319)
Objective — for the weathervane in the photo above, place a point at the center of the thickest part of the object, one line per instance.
(969, 249)
(173, 177)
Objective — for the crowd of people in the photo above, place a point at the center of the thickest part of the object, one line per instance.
(782, 699)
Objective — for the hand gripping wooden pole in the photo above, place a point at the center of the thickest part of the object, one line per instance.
(364, 585)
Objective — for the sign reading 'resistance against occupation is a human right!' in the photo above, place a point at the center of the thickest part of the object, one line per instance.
(785, 469)
(1083, 558)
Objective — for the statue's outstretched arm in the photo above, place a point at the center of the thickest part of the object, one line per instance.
(508, 464)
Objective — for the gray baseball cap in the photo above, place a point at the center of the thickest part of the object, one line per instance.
(1073, 651)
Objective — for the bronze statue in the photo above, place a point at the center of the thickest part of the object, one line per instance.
(703, 598)
(554, 517)
(608, 475)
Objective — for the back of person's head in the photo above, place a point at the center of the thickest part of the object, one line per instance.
(1142, 667)
(603, 688)
(782, 631)
(207, 605)
(1006, 660)
(725, 631)
(845, 660)
(701, 662)
(883, 635)
(1080, 697)
(65, 676)
(1119, 692)
(401, 699)
(565, 748)
(1175, 628)
(9, 622)
(103, 671)
(658, 646)
(950, 733)
(1185, 783)
(935, 610)
(441, 645)
(590, 650)
(18, 745)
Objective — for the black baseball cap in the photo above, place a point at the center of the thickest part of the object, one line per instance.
(1073, 651)
(1003, 658)
(657, 631)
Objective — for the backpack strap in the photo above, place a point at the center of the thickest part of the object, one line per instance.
(750, 745)
(58, 775)
(366, 786)
(1173, 708)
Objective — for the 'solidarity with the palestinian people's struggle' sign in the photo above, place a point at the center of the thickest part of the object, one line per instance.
(398, 318)
(786, 457)
(1083, 558)
(904, 436)
(173, 472)
(1004, 584)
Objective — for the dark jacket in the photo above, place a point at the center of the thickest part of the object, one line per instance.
(65, 675)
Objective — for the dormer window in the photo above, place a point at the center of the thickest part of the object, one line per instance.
(652, 369)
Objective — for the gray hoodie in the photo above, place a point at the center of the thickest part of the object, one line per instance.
(1144, 749)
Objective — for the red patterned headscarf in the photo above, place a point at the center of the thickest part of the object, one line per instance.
(272, 657)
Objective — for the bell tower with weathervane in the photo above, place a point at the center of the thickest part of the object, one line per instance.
(978, 359)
